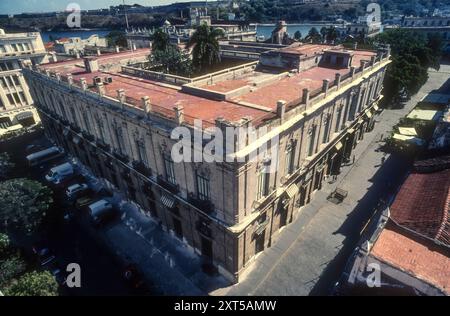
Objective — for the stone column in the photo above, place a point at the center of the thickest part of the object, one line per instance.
(305, 96)
(337, 80)
(146, 105)
(100, 88)
(83, 83)
(179, 114)
(325, 86)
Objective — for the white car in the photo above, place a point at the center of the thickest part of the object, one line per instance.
(75, 189)
(59, 173)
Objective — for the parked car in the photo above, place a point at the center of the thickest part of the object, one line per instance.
(101, 212)
(77, 190)
(60, 173)
(84, 201)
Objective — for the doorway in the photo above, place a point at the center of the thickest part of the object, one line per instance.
(206, 245)
(177, 227)
(259, 242)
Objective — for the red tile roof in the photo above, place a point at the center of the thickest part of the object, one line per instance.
(423, 204)
(414, 255)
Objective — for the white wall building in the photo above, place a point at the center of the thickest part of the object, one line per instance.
(16, 103)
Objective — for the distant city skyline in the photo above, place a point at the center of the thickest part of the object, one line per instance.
(34, 6)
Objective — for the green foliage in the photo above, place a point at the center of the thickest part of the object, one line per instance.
(412, 55)
(298, 35)
(161, 41)
(172, 60)
(4, 244)
(5, 165)
(10, 269)
(33, 284)
(206, 49)
(117, 38)
(23, 204)
(313, 36)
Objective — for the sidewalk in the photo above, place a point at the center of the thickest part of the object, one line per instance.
(311, 252)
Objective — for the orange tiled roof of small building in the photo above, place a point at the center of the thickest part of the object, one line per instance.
(414, 255)
(423, 205)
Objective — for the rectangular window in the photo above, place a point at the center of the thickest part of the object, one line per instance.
(11, 99)
(3, 82)
(203, 188)
(170, 170)
(262, 184)
(312, 138)
(142, 153)
(290, 152)
(22, 96)
(16, 81)
(16, 97)
(326, 131)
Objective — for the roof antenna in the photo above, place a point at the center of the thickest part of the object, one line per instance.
(126, 16)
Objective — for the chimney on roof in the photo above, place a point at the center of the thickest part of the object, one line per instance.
(91, 64)
(53, 58)
(98, 52)
(363, 64)
(281, 109)
(100, 88)
(325, 85)
(337, 80)
(121, 95)
(77, 54)
(305, 96)
(117, 49)
(146, 105)
(83, 83)
(373, 60)
(352, 71)
(355, 46)
(133, 46)
(179, 114)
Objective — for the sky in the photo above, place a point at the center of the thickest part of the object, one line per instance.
(20, 6)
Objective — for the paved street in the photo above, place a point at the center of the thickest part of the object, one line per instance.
(310, 254)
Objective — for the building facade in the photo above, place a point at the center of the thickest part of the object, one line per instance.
(428, 26)
(119, 124)
(16, 103)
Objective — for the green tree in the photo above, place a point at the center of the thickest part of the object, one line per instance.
(33, 284)
(298, 35)
(5, 165)
(206, 49)
(10, 269)
(313, 36)
(173, 60)
(23, 204)
(4, 244)
(412, 55)
(117, 38)
(161, 41)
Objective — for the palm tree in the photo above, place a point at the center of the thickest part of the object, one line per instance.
(161, 41)
(206, 49)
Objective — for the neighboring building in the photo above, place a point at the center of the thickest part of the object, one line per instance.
(411, 245)
(118, 123)
(16, 103)
(430, 25)
(180, 34)
(74, 45)
(364, 27)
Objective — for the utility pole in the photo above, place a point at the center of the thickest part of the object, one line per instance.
(126, 16)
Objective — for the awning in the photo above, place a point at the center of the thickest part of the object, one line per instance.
(292, 190)
(24, 115)
(368, 114)
(360, 121)
(167, 201)
(408, 131)
(338, 146)
(375, 107)
(351, 131)
(426, 115)
(410, 139)
(261, 227)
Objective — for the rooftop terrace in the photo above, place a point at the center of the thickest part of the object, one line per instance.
(231, 94)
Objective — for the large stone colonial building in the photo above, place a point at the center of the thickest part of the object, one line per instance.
(118, 121)
(16, 104)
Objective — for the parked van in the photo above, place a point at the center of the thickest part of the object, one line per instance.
(58, 174)
(101, 211)
(45, 155)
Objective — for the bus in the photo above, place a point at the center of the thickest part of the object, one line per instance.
(45, 155)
